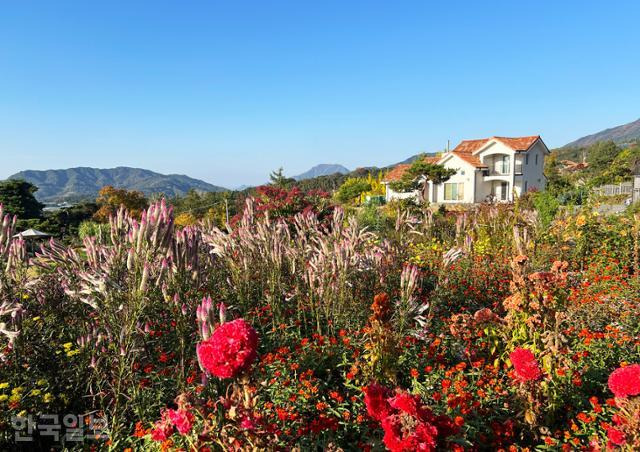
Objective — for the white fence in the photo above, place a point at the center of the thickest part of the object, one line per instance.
(625, 188)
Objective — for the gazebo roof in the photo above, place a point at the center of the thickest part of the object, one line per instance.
(32, 234)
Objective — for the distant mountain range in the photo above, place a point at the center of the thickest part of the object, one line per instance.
(74, 184)
(322, 170)
(620, 134)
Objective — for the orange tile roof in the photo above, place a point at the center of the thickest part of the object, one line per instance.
(398, 171)
(469, 158)
(519, 143)
(467, 148)
(516, 143)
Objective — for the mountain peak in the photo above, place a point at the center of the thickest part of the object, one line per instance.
(323, 169)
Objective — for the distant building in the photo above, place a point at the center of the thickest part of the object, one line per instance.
(496, 168)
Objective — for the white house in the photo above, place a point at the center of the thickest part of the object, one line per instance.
(497, 168)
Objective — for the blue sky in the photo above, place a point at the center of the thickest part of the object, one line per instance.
(227, 91)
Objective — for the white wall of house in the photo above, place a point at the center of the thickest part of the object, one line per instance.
(532, 170)
(465, 175)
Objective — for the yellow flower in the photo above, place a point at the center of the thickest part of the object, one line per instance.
(35, 319)
(47, 398)
(22, 413)
(4, 385)
(14, 398)
(17, 391)
(36, 392)
(67, 346)
(72, 353)
(41, 382)
(3, 397)
(25, 297)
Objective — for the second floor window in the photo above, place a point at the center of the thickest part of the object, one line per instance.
(503, 165)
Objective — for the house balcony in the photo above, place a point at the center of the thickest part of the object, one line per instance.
(498, 173)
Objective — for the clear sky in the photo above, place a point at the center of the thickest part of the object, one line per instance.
(227, 91)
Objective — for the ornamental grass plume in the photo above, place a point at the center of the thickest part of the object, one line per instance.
(230, 350)
(525, 364)
(625, 381)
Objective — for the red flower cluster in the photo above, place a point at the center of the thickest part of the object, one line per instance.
(525, 364)
(408, 425)
(231, 349)
(616, 437)
(181, 419)
(625, 381)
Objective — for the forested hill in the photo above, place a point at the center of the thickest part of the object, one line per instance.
(84, 183)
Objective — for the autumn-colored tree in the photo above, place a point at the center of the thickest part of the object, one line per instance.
(110, 199)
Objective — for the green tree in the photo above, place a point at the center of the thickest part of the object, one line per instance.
(556, 182)
(419, 173)
(17, 197)
(600, 155)
(352, 189)
(278, 179)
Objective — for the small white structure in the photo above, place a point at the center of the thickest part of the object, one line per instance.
(32, 234)
(496, 168)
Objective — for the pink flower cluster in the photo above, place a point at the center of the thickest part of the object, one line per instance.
(408, 425)
(525, 364)
(231, 349)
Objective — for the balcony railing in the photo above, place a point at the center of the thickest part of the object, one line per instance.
(502, 172)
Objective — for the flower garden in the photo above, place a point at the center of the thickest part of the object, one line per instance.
(299, 329)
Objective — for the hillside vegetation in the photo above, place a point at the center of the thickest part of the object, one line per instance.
(84, 183)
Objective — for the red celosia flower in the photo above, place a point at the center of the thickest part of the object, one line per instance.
(162, 429)
(403, 434)
(525, 364)
(181, 419)
(616, 436)
(625, 381)
(375, 398)
(231, 349)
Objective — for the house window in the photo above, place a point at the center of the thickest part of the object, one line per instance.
(526, 159)
(525, 186)
(504, 190)
(536, 159)
(453, 191)
(503, 165)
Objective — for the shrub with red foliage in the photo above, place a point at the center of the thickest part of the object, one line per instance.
(231, 349)
(525, 364)
(286, 203)
(625, 381)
